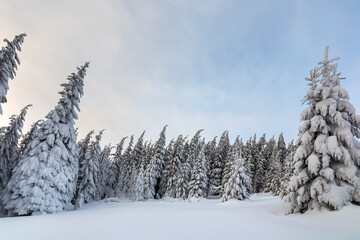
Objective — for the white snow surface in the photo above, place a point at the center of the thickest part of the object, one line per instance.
(260, 217)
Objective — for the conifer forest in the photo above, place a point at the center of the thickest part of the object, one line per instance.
(179, 120)
(48, 169)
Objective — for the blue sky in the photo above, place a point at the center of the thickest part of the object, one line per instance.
(217, 65)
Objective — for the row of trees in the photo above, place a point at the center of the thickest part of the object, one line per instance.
(46, 170)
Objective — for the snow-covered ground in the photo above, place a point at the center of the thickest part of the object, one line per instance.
(261, 217)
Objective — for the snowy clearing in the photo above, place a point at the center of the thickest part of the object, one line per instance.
(261, 217)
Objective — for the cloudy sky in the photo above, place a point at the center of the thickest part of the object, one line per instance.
(216, 65)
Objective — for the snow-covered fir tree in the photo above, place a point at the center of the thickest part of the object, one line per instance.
(182, 184)
(173, 167)
(155, 166)
(136, 157)
(218, 164)
(199, 181)
(166, 171)
(124, 182)
(260, 166)
(28, 137)
(9, 148)
(8, 64)
(44, 180)
(327, 159)
(88, 188)
(210, 156)
(228, 163)
(288, 169)
(247, 157)
(104, 163)
(82, 148)
(114, 169)
(239, 182)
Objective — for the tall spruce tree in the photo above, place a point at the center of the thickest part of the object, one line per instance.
(82, 148)
(8, 65)
(154, 168)
(327, 159)
(104, 164)
(173, 167)
(182, 184)
(9, 147)
(44, 180)
(217, 169)
(88, 189)
(239, 182)
(136, 157)
(260, 166)
(166, 171)
(114, 169)
(123, 184)
(199, 181)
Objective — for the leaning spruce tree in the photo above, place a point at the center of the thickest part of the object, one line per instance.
(9, 149)
(154, 168)
(199, 180)
(45, 178)
(327, 159)
(8, 64)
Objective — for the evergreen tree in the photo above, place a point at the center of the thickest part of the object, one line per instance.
(218, 164)
(327, 159)
(273, 176)
(104, 161)
(173, 167)
(210, 156)
(44, 180)
(288, 169)
(82, 148)
(260, 166)
(228, 162)
(9, 148)
(8, 64)
(29, 136)
(136, 157)
(123, 185)
(239, 182)
(88, 189)
(166, 171)
(114, 169)
(155, 166)
(199, 181)
(182, 185)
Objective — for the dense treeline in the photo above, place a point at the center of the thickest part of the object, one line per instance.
(48, 169)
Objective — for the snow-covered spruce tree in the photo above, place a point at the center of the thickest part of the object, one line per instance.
(155, 166)
(260, 167)
(9, 148)
(210, 156)
(104, 163)
(44, 180)
(173, 167)
(217, 167)
(115, 161)
(228, 163)
(166, 170)
(138, 193)
(82, 148)
(239, 182)
(123, 184)
(8, 64)
(288, 169)
(272, 178)
(327, 159)
(88, 188)
(136, 157)
(182, 184)
(28, 137)
(199, 181)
